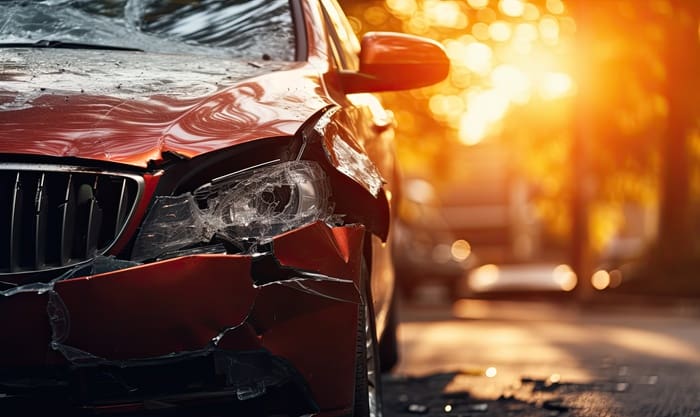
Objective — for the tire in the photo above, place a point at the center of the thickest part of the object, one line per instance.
(389, 345)
(368, 398)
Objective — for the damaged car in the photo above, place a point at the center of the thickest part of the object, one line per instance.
(196, 205)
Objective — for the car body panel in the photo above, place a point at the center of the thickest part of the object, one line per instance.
(190, 305)
(64, 103)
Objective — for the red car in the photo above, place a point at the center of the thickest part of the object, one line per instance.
(196, 204)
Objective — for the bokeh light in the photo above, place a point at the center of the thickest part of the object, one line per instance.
(461, 249)
(549, 30)
(478, 4)
(555, 6)
(565, 277)
(600, 280)
(512, 8)
(403, 8)
(446, 14)
(500, 31)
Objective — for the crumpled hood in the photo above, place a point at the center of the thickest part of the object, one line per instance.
(131, 107)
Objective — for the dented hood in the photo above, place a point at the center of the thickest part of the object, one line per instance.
(131, 107)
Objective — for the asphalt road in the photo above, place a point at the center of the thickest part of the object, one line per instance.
(479, 358)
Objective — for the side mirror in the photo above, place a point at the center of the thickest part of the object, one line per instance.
(396, 61)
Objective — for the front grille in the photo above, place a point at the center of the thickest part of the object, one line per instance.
(54, 216)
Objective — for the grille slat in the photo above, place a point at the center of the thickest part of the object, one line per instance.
(94, 221)
(40, 222)
(16, 223)
(67, 216)
(122, 211)
(58, 216)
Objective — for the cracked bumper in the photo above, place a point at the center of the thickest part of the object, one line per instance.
(297, 305)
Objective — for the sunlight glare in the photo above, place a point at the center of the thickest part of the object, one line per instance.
(556, 85)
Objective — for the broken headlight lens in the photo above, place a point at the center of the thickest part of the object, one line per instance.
(240, 209)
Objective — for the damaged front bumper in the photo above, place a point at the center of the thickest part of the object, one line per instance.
(200, 327)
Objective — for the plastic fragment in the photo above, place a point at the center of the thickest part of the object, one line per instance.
(59, 318)
(479, 408)
(325, 119)
(356, 165)
(76, 356)
(251, 391)
(417, 409)
(98, 265)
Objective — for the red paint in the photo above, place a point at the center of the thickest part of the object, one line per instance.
(156, 309)
(335, 252)
(134, 132)
(179, 305)
(25, 341)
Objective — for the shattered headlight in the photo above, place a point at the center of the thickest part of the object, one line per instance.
(240, 209)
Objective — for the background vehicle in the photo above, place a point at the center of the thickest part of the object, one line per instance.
(194, 206)
(426, 251)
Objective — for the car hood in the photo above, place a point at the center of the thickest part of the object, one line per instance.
(132, 107)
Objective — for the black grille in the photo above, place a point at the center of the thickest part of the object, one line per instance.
(55, 216)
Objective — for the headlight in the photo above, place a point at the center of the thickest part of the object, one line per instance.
(241, 208)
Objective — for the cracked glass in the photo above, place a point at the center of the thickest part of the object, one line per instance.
(242, 210)
(255, 29)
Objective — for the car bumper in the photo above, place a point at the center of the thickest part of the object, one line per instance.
(237, 327)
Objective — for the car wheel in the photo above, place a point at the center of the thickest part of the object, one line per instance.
(368, 398)
(389, 346)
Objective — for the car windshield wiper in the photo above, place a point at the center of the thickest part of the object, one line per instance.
(45, 43)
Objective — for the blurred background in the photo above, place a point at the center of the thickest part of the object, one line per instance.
(562, 154)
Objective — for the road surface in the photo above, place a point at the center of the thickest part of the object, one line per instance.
(498, 358)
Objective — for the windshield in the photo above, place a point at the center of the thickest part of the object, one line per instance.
(254, 29)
